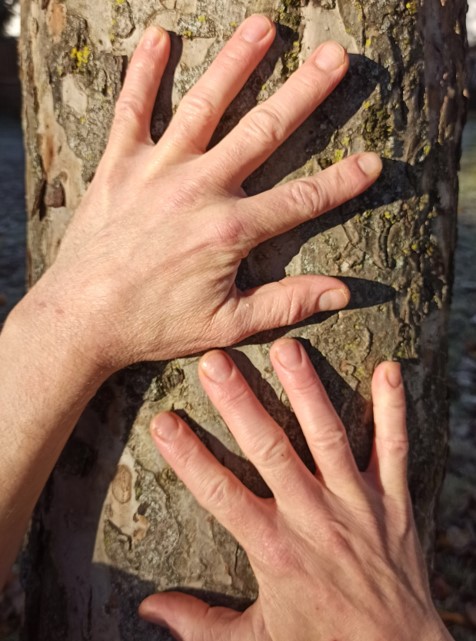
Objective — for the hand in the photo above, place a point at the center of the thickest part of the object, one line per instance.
(335, 553)
(147, 267)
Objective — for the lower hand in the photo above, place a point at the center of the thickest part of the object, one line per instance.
(335, 553)
(147, 268)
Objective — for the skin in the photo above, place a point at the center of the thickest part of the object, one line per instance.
(344, 539)
(147, 271)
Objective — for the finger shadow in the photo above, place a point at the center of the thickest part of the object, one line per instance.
(268, 261)
(249, 95)
(246, 100)
(238, 464)
(315, 134)
(130, 591)
(163, 107)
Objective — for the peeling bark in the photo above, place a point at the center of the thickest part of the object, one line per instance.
(114, 523)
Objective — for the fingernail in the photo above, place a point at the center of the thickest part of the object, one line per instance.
(289, 354)
(255, 28)
(333, 299)
(370, 163)
(330, 56)
(165, 427)
(217, 367)
(393, 375)
(152, 37)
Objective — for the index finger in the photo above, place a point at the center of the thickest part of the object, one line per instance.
(133, 111)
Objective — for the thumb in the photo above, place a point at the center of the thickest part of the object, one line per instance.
(287, 302)
(189, 618)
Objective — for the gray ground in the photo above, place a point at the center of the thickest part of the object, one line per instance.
(455, 568)
(12, 216)
(454, 581)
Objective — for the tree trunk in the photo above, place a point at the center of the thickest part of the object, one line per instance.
(114, 523)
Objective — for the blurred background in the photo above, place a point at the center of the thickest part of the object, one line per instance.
(454, 575)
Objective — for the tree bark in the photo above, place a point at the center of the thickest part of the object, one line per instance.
(114, 523)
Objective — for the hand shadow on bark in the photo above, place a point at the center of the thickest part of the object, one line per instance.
(63, 526)
(267, 262)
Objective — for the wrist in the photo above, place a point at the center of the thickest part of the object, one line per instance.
(44, 325)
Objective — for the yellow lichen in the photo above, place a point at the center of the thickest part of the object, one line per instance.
(202, 19)
(411, 7)
(339, 155)
(80, 56)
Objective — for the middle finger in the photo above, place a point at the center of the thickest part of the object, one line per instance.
(322, 427)
(269, 124)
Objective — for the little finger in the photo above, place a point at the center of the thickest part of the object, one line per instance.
(283, 303)
(388, 463)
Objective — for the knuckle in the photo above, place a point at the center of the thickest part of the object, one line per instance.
(230, 232)
(330, 438)
(276, 554)
(264, 125)
(197, 106)
(296, 306)
(307, 196)
(337, 540)
(233, 57)
(218, 492)
(236, 396)
(398, 448)
(185, 453)
(128, 109)
(272, 451)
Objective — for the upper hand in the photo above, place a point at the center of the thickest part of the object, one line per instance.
(335, 553)
(147, 267)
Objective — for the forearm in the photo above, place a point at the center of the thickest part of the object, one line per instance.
(46, 380)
